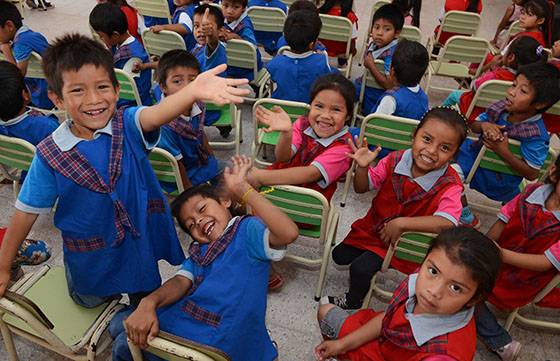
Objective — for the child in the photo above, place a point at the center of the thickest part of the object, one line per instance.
(471, 6)
(527, 232)
(387, 25)
(411, 11)
(134, 20)
(417, 191)
(130, 229)
(430, 316)
(295, 71)
(229, 260)
(534, 90)
(209, 50)
(181, 22)
(23, 41)
(184, 137)
(340, 8)
(268, 39)
(512, 14)
(109, 22)
(406, 99)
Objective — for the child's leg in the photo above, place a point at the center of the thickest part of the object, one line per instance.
(331, 318)
(452, 98)
(488, 328)
(343, 254)
(362, 270)
(82, 300)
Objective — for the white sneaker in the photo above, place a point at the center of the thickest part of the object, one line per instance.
(509, 352)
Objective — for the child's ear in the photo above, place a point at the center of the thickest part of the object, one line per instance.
(540, 107)
(540, 21)
(57, 101)
(26, 96)
(226, 202)
(397, 33)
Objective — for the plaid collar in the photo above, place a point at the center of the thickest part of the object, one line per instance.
(325, 142)
(66, 140)
(427, 181)
(539, 197)
(234, 24)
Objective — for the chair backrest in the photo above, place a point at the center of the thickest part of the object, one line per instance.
(388, 131)
(34, 68)
(410, 32)
(554, 110)
(128, 88)
(369, 81)
(155, 8)
(336, 28)
(294, 110)
(160, 43)
(376, 6)
(411, 247)
(16, 153)
(459, 22)
(267, 19)
(464, 49)
(488, 93)
(513, 29)
(242, 54)
(166, 168)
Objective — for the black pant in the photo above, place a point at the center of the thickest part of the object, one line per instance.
(363, 265)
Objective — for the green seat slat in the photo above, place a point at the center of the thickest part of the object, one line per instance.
(225, 119)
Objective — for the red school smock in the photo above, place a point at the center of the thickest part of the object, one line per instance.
(401, 196)
(450, 5)
(529, 229)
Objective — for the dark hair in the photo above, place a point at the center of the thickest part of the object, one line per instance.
(392, 14)
(243, 3)
(175, 58)
(410, 7)
(473, 6)
(339, 83)
(108, 18)
(448, 116)
(544, 80)
(302, 5)
(13, 85)
(302, 28)
(213, 11)
(9, 11)
(554, 178)
(527, 50)
(70, 53)
(542, 10)
(345, 6)
(410, 61)
(468, 247)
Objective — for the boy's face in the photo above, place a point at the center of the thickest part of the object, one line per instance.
(198, 31)
(178, 78)
(89, 98)
(7, 32)
(383, 32)
(232, 10)
(520, 96)
(205, 218)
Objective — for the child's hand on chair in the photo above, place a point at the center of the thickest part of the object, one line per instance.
(362, 155)
(142, 325)
(276, 119)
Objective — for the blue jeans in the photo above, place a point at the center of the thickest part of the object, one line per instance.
(82, 300)
(488, 328)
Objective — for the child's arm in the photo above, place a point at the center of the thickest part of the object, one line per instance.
(363, 157)
(381, 78)
(178, 28)
(277, 120)
(392, 230)
(207, 87)
(228, 35)
(501, 147)
(184, 177)
(282, 229)
(503, 23)
(142, 325)
(293, 176)
(368, 332)
(208, 31)
(6, 50)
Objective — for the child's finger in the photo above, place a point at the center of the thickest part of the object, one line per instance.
(352, 144)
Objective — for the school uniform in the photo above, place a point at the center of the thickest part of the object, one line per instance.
(209, 60)
(268, 39)
(131, 50)
(328, 155)
(403, 101)
(32, 126)
(294, 74)
(111, 212)
(183, 15)
(534, 149)
(282, 42)
(244, 28)
(26, 41)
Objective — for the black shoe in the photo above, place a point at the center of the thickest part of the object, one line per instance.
(341, 301)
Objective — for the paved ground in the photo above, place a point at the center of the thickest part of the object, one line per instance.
(291, 312)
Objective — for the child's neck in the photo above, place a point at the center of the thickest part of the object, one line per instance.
(532, 30)
(122, 38)
(516, 118)
(552, 203)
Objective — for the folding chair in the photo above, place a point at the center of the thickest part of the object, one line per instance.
(316, 219)
(40, 310)
(267, 19)
(175, 348)
(514, 316)
(454, 59)
(19, 5)
(459, 22)
(243, 54)
(338, 28)
(387, 131)
(488, 93)
(160, 43)
(513, 29)
(15, 154)
(154, 8)
(410, 247)
(261, 139)
(166, 169)
(410, 32)
(128, 88)
(230, 116)
(376, 6)
(367, 81)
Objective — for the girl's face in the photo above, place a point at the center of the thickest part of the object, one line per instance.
(433, 146)
(443, 286)
(528, 20)
(205, 218)
(328, 113)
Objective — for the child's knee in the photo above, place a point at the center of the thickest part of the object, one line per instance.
(323, 310)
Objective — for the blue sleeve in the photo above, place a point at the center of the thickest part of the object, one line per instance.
(21, 51)
(217, 57)
(43, 127)
(257, 240)
(247, 33)
(534, 152)
(483, 117)
(387, 64)
(168, 142)
(39, 191)
(187, 269)
(132, 125)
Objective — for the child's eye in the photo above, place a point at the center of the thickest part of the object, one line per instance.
(76, 90)
(432, 271)
(456, 288)
(426, 138)
(445, 148)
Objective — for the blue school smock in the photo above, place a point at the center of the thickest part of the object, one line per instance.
(99, 263)
(151, 20)
(26, 41)
(207, 62)
(31, 126)
(409, 104)
(268, 39)
(234, 287)
(244, 28)
(132, 48)
(294, 74)
(498, 186)
(282, 42)
(188, 10)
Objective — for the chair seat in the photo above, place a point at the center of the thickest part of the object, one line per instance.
(455, 70)
(71, 321)
(269, 138)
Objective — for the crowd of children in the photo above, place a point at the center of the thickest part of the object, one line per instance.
(97, 158)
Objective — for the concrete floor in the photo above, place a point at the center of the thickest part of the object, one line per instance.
(291, 312)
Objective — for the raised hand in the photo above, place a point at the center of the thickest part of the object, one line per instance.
(235, 178)
(276, 119)
(211, 88)
(205, 24)
(362, 155)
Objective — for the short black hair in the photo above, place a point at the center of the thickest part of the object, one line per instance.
(70, 53)
(527, 50)
(410, 61)
(544, 79)
(13, 85)
(214, 11)
(339, 83)
(392, 14)
(302, 28)
(9, 11)
(243, 3)
(302, 5)
(108, 18)
(175, 58)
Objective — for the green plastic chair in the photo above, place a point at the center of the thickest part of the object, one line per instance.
(367, 81)
(459, 22)
(338, 28)
(411, 33)
(128, 88)
(155, 8)
(41, 311)
(267, 19)
(174, 348)
(160, 43)
(166, 169)
(15, 156)
(316, 219)
(261, 139)
(230, 116)
(387, 131)
(243, 54)
(367, 38)
(488, 93)
(411, 247)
